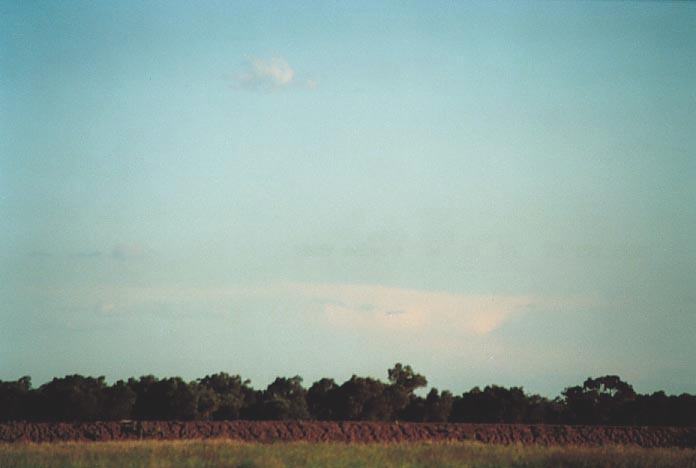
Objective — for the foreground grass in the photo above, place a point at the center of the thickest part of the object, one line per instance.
(246, 455)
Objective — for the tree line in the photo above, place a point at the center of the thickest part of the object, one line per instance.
(602, 400)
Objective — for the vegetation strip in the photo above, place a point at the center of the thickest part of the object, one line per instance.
(605, 400)
(236, 454)
(361, 432)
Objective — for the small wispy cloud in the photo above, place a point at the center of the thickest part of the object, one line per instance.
(269, 74)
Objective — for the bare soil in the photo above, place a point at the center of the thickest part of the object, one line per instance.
(361, 432)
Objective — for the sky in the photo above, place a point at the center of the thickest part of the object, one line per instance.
(491, 192)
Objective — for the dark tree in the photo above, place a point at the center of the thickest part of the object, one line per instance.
(601, 400)
(438, 406)
(118, 402)
(402, 383)
(72, 398)
(404, 377)
(166, 399)
(362, 398)
(604, 400)
(322, 399)
(493, 404)
(285, 399)
(223, 396)
(15, 399)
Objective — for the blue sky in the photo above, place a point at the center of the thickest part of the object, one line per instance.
(493, 192)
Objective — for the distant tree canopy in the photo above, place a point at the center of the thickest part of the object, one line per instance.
(602, 400)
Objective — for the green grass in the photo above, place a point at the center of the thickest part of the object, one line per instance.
(236, 454)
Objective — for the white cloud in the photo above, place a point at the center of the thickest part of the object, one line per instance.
(434, 316)
(373, 307)
(351, 305)
(270, 73)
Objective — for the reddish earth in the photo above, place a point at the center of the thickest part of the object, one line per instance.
(319, 431)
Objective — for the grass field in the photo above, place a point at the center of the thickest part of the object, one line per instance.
(234, 454)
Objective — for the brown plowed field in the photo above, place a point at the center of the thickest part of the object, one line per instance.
(319, 431)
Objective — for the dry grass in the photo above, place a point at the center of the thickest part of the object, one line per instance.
(217, 453)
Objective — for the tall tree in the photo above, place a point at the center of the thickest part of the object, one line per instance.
(285, 398)
(72, 398)
(224, 396)
(15, 399)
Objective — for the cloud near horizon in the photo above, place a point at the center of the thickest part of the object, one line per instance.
(351, 307)
(371, 307)
(397, 321)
